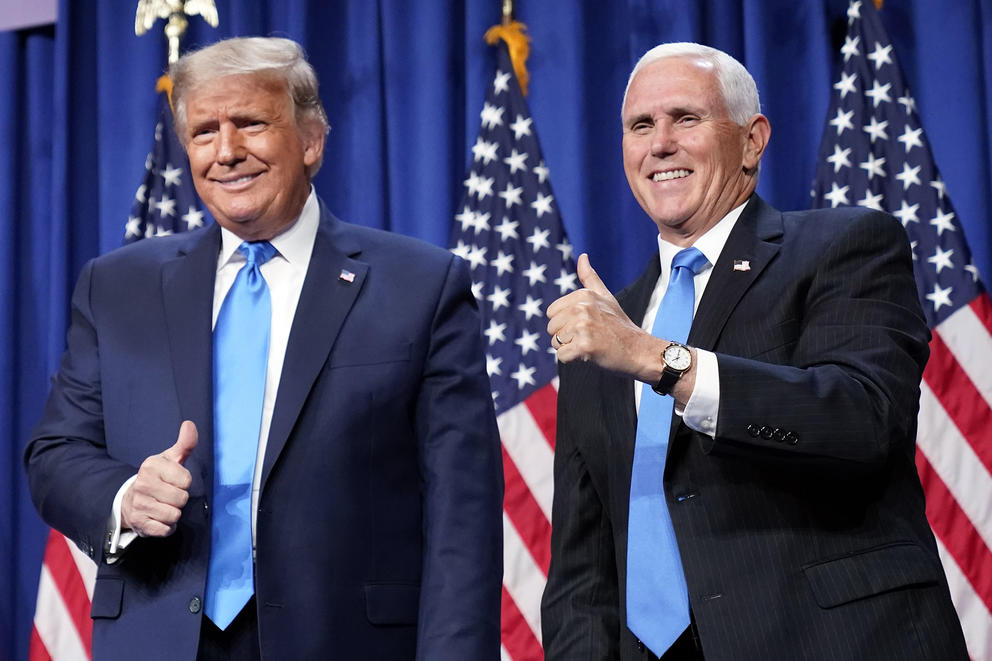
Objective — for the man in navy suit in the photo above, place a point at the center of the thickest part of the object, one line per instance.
(789, 486)
(376, 496)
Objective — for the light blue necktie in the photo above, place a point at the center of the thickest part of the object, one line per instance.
(241, 354)
(657, 599)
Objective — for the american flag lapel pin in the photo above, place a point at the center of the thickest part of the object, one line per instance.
(742, 265)
(346, 275)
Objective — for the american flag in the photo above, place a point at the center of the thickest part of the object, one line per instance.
(166, 202)
(510, 231)
(874, 154)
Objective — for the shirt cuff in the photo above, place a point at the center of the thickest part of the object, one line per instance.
(117, 537)
(701, 410)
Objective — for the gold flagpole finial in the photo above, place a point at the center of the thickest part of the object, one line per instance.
(175, 11)
(517, 42)
(878, 4)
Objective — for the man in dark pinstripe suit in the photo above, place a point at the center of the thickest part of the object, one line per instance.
(790, 475)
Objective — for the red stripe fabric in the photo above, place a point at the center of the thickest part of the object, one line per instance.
(956, 531)
(517, 637)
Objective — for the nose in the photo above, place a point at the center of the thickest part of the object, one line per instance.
(663, 140)
(230, 144)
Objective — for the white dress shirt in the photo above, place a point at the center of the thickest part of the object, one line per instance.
(284, 274)
(701, 410)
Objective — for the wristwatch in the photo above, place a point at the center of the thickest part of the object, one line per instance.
(677, 359)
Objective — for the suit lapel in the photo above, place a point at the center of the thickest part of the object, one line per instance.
(187, 294)
(753, 243)
(325, 301)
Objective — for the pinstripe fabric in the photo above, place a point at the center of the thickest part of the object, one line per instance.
(801, 526)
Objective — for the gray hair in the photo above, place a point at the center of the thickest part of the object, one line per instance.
(281, 58)
(740, 93)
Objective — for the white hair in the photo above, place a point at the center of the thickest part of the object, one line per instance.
(740, 93)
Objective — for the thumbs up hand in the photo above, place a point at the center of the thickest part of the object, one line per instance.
(153, 504)
(588, 324)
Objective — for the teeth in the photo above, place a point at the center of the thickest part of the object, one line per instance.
(671, 174)
(239, 180)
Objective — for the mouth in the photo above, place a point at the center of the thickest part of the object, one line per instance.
(236, 181)
(669, 175)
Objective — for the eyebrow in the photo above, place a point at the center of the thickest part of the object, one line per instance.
(637, 119)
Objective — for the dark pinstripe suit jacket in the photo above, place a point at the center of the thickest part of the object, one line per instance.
(801, 525)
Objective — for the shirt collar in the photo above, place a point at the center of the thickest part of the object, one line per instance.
(293, 244)
(710, 244)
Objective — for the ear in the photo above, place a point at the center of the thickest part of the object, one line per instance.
(758, 133)
(313, 144)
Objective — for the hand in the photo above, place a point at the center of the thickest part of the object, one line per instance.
(588, 324)
(153, 504)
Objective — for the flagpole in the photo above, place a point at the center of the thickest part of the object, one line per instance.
(507, 8)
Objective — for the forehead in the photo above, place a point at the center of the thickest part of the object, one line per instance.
(675, 82)
(237, 93)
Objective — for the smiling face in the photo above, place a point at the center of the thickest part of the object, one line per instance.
(686, 161)
(248, 157)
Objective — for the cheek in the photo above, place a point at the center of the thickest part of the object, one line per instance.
(200, 158)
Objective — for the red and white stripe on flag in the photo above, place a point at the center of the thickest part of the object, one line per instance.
(954, 458)
(62, 626)
(527, 432)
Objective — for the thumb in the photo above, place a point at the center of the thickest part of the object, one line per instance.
(184, 443)
(588, 276)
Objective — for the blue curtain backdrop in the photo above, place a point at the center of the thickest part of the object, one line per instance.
(403, 83)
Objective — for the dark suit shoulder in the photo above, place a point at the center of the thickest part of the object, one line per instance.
(379, 240)
(150, 253)
(159, 247)
(829, 222)
(405, 262)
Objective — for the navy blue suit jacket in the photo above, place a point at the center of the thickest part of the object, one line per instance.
(379, 516)
(801, 525)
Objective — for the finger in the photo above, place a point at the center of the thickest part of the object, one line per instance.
(557, 305)
(185, 443)
(589, 278)
(566, 353)
(152, 528)
(568, 300)
(148, 517)
(145, 510)
(555, 325)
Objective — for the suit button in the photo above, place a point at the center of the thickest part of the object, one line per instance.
(778, 434)
(792, 438)
(195, 605)
(206, 506)
(640, 646)
(753, 430)
(766, 433)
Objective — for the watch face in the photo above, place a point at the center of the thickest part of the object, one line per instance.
(678, 357)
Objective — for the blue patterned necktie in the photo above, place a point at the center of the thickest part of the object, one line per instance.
(657, 599)
(241, 354)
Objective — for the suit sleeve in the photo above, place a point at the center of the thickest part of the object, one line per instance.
(839, 386)
(579, 611)
(463, 486)
(70, 475)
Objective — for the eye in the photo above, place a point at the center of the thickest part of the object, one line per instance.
(203, 135)
(641, 127)
(251, 123)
